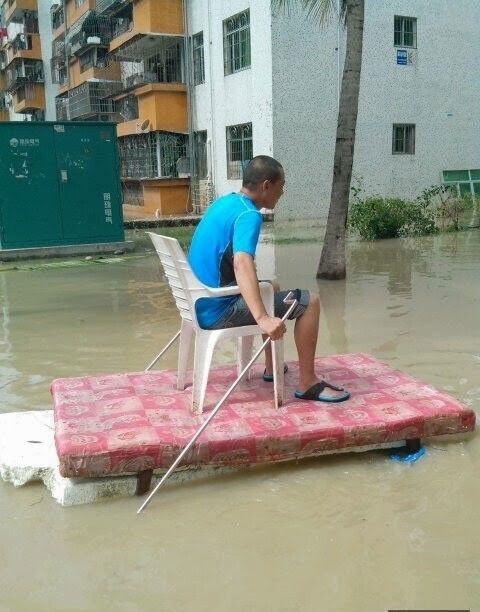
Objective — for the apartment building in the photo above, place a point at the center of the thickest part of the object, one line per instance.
(22, 90)
(270, 84)
(123, 61)
(197, 87)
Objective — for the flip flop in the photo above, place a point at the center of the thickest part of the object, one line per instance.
(269, 377)
(315, 393)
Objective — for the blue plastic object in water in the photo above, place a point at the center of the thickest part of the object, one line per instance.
(406, 457)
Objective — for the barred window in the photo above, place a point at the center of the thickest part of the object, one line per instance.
(79, 3)
(200, 151)
(239, 149)
(198, 59)
(403, 139)
(236, 43)
(405, 32)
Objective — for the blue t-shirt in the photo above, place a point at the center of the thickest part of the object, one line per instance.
(230, 225)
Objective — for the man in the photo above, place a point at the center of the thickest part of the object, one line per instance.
(222, 253)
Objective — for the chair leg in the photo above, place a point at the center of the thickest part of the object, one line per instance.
(244, 354)
(186, 336)
(204, 347)
(278, 374)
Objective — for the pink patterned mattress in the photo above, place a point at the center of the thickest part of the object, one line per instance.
(126, 423)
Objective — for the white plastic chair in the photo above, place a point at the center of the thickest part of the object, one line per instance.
(187, 289)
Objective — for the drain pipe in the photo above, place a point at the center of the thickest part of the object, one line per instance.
(211, 148)
(190, 106)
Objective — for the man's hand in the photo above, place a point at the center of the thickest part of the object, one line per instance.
(272, 326)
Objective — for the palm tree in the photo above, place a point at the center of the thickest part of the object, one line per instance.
(332, 261)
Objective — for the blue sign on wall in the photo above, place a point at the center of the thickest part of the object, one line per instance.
(402, 57)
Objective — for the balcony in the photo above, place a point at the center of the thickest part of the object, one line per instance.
(61, 108)
(111, 7)
(88, 32)
(93, 99)
(147, 17)
(29, 98)
(4, 114)
(57, 16)
(164, 105)
(24, 71)
(16, 9)
(24, 46)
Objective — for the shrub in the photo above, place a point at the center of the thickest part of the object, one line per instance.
(376, 218)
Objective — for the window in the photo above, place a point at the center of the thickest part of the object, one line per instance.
(239, 149)
(236, 43)
(403, 139)
(79, 3)
(405, 32)
(200, 152)
(198, 59)
(465, 182)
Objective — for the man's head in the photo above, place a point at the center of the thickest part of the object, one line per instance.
(263, 181)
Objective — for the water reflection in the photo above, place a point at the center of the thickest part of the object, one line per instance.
(413, 304)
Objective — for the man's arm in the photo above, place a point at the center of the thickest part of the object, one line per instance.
(247, 280)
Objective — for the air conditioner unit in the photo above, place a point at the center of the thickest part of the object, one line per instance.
(2, 65)
(94, 40)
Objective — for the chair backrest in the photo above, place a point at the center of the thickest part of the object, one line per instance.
(185, 286)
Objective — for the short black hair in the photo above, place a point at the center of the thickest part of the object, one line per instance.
(262, 168)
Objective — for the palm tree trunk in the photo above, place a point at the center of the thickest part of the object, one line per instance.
(332, 261)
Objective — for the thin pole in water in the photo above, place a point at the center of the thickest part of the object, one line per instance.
(167, 474)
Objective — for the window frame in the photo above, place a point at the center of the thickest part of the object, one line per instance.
(246, 154)
(402, 32)
(232, 39)
(198, 59)
(395, 139)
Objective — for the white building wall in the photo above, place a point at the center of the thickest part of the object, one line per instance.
(45, 29)
(242, 97)
(439, 94)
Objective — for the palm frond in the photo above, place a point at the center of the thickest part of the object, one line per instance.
(320, 11)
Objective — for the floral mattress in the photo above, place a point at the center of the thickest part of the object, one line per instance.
(127, 423)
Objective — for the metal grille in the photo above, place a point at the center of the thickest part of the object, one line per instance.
(58, 16)
(239, 149)
(153, 155)
(90, 29)
(236, 42)
(92, 98)
(200, 154)
(109, 7)
(198, 59)
(23, 71)
(61, 108)
(127, 108)
(132, 193)
(405, 32)
(158, 60)
(58, 69)
(403, 139)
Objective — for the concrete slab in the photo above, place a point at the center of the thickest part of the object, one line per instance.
(71, 249)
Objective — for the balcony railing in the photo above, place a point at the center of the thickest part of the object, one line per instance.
(58, 70)
(90, 30)
(61, 108)
(93, 98)
(21, 72)
(110, 7)
(57, 15)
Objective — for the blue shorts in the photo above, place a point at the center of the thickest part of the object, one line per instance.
(238, 314)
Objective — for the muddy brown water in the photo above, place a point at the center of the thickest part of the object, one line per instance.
(351, 532)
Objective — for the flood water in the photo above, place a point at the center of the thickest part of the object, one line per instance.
(344, 533)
